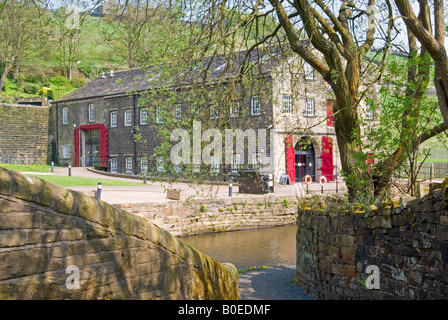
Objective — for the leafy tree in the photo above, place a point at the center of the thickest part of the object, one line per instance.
(19, 39)
(348, 43)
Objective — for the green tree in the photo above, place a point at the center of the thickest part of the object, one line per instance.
(19, 38)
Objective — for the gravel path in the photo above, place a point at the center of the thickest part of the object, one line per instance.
(274, 283)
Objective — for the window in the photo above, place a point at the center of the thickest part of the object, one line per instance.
(65, 115)
(370, 113)
(309, 72)
(113, 165)
(235, 163)
(159, 115)
(113, 119)
(256, 164)
(309, 108)
(287, 104)
(91, 113)
(144, 165)
(128, 164)
(255, 106)
(143, 116)
(214, 112)
(234, 109)
(214, 164)
(66, 152)
(128, 118)
(178, 112)
(160, 165)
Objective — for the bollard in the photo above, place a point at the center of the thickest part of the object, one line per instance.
(144, 179)
(230, 187)
(52, 166)
(69, 170)
(98, 190)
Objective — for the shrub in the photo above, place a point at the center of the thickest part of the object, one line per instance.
(37, 78)
(31, 88)
(46, 92)
(59, 80)
(77, 82)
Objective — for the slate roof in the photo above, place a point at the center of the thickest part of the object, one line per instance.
(209, 69)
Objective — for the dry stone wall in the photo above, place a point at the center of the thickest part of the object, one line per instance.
(23, 134)
(51, 237)
(214, 215)
(407, 242)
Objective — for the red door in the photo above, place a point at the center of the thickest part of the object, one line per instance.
(290, 160)
(103, 142)
(327, 158)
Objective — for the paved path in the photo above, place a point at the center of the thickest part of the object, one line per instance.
(274, 283)
(156, 191)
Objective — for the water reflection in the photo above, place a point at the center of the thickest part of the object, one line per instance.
(248, 248)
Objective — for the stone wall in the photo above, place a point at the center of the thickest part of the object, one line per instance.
(47, 232)
(408, 242)
(211, 215)
(23, 134)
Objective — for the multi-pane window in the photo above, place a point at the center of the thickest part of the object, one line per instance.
(214, 111)
(234, 109)
(144, 165)
(370, 113)
(113, 119)
(287, 104)
(235, 162)
(309, 72)
(178, 112)
(91, 113)
(309, 107)
(255, 106)
(159, 115)
(214, 164)
(160, 165)
(128, 118)
(113, 165)
(128, 164)
(143, 116)
(256, 164)
(65, 115)
(66, 151)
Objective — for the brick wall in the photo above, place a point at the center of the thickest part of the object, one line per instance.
(47, 230)
(23, 134)
(407, 243)
(201, 216)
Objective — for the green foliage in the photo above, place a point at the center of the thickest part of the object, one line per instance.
(37, 78)
(31, 88)
(59, 80)
(286, 203)
(46, 92)
(77, 82)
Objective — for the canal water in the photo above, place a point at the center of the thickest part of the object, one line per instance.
(249, 248)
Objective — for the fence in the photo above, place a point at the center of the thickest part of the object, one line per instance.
(428, 170)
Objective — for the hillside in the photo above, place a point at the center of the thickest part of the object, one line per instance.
(44, 70)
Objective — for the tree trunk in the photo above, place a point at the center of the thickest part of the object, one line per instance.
(358, 180)
(3, 76)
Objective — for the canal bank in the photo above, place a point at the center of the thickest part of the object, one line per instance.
(199, 216)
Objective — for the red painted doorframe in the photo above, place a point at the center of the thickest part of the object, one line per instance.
(327, 158)
(290, 159)
(103, 142)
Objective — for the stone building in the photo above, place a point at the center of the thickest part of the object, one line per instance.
(96, 124)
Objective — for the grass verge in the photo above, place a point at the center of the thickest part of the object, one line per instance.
(66, 181)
